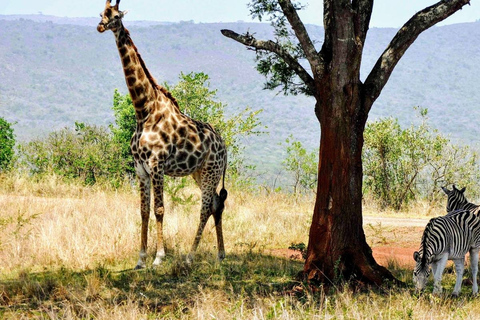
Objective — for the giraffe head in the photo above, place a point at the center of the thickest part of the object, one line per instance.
(111, 17)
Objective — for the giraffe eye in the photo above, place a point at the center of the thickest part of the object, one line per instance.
(117, 16)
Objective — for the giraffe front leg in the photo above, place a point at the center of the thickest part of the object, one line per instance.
(145, 213)
(159, 213)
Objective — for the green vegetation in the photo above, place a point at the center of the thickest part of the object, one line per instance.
(401, 165)
(302, 165)
(87, 153)
(7, 144)
(124, 127)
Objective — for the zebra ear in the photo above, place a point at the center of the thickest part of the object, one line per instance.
(463, 189)
(446, 190)
(416, 256)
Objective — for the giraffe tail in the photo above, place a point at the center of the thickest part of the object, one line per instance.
(220, 202)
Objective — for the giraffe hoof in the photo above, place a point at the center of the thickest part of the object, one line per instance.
(157, 263)
(221, 256)
(189, 258)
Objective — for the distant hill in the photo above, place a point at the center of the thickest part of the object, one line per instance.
(55, 71)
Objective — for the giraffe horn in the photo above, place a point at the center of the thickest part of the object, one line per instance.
(117, 2)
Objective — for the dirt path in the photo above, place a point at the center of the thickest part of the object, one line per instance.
(393, 240)
(400, 222)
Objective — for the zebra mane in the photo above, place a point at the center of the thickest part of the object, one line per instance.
(423, 246)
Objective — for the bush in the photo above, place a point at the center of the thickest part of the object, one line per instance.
(199, 102)
(87, 153)
(7, 145)
(405, 164)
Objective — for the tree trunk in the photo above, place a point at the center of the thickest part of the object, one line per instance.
(337, 248)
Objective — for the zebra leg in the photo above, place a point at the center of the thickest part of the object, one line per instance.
(459, 267)
(437, 276)
(434, 268)
(474, 268)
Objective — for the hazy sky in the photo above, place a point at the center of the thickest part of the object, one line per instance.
(386, 13)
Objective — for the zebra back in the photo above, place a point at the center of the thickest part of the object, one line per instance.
(457, 231)
(456, 200)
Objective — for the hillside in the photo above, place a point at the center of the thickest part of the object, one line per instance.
(55, 71)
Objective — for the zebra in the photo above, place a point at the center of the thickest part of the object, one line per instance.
(456, 200)
(446, 238)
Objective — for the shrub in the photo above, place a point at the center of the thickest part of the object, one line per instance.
(405, 164)
(7, 145)
(86, 152)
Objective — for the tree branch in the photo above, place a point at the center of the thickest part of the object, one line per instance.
(273, 47)
(420, 22)
(363, 12)
(315, 60)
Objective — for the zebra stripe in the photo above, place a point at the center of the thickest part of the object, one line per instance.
(456, 200)
(446, 238)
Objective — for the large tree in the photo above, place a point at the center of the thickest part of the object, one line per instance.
(337, 247)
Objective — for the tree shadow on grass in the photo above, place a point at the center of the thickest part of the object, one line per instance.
(175, 285)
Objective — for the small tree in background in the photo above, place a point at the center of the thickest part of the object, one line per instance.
(405, 164)
(7, 144)
(199, 102)
(302, 165)
(124, 127)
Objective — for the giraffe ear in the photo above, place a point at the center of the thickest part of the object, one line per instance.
(123, 13)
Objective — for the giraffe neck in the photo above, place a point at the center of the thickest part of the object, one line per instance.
(141, 85)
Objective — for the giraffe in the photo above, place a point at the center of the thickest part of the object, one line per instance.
(167, 142)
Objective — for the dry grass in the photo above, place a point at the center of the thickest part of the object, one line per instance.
(84, 227)
(66, 252)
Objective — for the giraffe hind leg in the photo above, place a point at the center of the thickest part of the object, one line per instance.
(205, 213)
(219, 205)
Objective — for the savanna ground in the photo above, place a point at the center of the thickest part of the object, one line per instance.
(67, 252)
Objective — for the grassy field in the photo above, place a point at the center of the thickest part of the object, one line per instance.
(67, 252)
